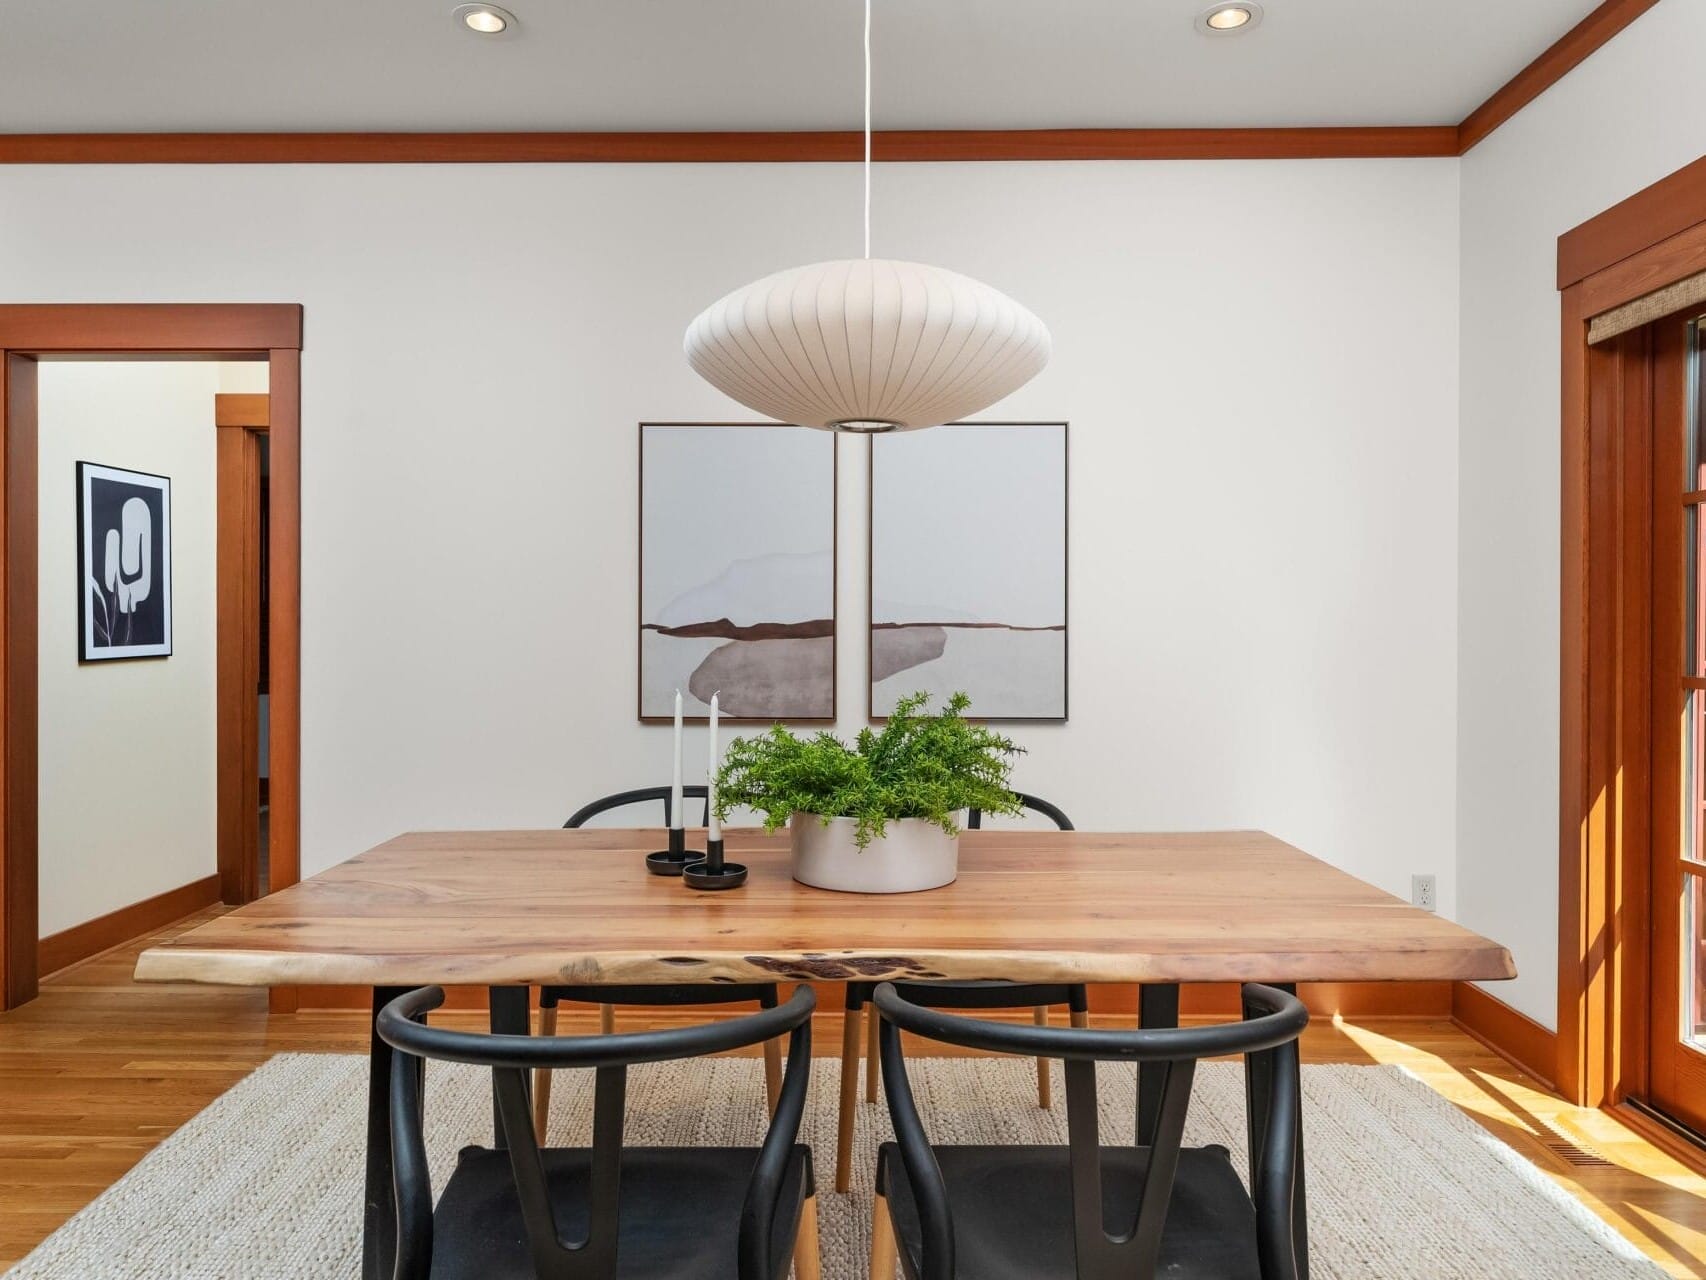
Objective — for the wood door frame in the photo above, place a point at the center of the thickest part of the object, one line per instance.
(1653, 239)
(240, 421)
(33, 331)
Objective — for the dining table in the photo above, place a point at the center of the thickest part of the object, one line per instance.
(510, 910)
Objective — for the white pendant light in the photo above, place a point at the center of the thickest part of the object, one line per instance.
(867, 344)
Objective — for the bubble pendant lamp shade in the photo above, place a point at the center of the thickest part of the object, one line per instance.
(867, 344)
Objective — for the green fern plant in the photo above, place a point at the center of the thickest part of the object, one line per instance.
(916, 766)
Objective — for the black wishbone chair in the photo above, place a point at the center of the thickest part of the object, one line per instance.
(764, 994)
(1036, 996)
(605, 1212)
(1087, 1211)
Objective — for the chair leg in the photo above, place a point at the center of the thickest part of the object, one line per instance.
(849, 1097)
(873, 1055)
(607, 1019)
(884, 1251)
(772, 1071)
(542, 1077)
(1080, 1018)
(808, 1260)
(1039, 1015)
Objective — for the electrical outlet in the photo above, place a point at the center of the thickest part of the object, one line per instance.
(1423, 893)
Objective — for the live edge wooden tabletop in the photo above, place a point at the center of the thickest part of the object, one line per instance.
(497, 907)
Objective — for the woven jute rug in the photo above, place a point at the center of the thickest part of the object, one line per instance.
(266, 1182)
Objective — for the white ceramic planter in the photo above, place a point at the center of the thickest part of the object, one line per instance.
(911, 855)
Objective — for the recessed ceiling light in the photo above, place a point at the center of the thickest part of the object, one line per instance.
(484, 19)
(1224, 19)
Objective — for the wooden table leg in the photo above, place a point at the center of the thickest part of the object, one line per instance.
(849, 1094)
(508, 1018)
(379, 1215)
(1157, 1009)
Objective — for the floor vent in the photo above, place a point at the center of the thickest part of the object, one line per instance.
(1578, 1157)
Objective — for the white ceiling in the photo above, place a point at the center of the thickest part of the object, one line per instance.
(208, 65)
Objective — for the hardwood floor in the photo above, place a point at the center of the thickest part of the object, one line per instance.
(99, 1069)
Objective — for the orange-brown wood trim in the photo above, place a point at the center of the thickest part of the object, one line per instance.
(284, 620)
(779, 146)
(1671, 205)
(238, 642)
(1653, 268)
(19, 500)
(1572, 697)
(94, 936)
(189, 329)
(241, 409)
(1604, 776)
(1506, 1031)
(1605, 651)
(168, 330)
(843, 146)
(1566, 54)
(1219, 999)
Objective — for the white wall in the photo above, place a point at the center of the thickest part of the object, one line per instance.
(1258, 361)
(1622, 120)
(127, 749)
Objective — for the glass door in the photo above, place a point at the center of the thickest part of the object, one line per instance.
(1676, 1021)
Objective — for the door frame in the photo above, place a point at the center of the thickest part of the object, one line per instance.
(240, 420)
(30, 332)
(1646, 243)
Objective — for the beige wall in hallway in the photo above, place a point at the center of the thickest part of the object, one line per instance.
(127, 749)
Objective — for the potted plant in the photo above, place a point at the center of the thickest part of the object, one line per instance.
(881, 816)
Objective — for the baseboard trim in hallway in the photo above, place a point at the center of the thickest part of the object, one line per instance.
(58, 950)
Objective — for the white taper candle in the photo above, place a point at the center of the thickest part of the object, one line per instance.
(676, 808)
(714, 829)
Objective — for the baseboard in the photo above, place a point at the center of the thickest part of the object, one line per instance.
(1680, 1144)
(92, 937)
(1349, 999)
(1510, 1034)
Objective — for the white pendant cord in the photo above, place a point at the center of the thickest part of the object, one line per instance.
(867, 128)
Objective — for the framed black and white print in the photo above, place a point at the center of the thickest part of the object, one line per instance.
(124, 564)
(968, 568)
(737, 571)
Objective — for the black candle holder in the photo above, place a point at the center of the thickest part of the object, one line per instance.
(713, 872)
(670, 861)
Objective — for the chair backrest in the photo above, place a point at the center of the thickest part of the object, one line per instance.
(642, 795)
(402, 1024)
(1129, 1250)
(1053, 812)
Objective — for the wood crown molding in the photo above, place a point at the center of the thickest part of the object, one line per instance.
(1510, 1034)
(780, 146)
(1571, 49)
(728, 148)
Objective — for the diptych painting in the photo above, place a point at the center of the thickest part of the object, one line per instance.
(737, 571)
(968, 568)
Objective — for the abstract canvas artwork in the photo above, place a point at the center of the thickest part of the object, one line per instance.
(968, 568)
(124, 564)
(737, 571)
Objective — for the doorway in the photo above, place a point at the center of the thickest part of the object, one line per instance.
(30, 334)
